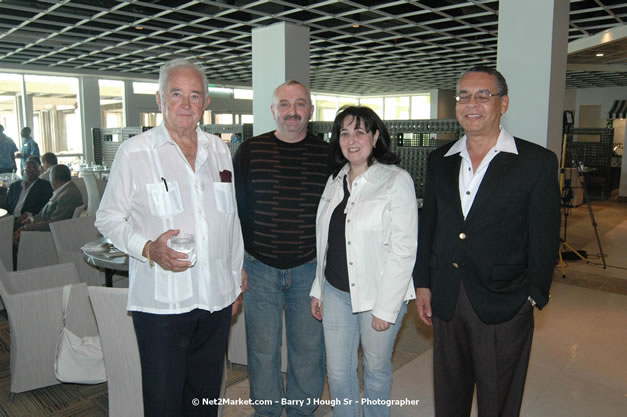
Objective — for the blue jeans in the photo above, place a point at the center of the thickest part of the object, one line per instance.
(271, 290)
(343, 330)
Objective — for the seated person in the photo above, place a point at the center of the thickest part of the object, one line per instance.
(48, 160)
(65, 199)
(29, 195)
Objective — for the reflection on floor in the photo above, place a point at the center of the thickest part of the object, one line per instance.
(578, 366)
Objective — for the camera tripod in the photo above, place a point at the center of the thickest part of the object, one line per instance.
(566, 194)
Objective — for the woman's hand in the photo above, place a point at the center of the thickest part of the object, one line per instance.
(379, 324)
(316, 308)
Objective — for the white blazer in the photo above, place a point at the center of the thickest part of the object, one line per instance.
(381, 238)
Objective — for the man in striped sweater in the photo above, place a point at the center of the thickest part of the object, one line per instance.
(279, 177)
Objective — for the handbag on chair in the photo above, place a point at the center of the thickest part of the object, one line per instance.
(79, 359)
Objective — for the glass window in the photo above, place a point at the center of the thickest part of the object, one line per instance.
(224, 119)
(344, 102)
(243, 94)
(421, 107)
(397, 108)
(11, 92)
(56, 118)
(375, 103)
(145, 88)
(247, 118)
(325, 108)
(111, 99)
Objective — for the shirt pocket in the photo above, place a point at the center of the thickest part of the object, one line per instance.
(162, 202)
(225, 198)
(173, 287)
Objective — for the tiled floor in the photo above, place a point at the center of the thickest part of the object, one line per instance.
(578, 364)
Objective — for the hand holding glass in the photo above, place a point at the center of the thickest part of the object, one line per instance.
(185, 243)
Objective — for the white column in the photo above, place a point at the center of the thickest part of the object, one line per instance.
(280, 53)
(89, 104)
(532, 51)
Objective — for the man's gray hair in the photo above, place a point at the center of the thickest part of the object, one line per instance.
(275, 98)
(165, 69)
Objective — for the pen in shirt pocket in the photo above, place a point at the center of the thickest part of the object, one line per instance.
(165, 183)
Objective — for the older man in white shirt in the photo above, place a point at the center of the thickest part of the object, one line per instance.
(175, 179)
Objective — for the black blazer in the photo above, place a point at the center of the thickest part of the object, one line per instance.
(37, 198)
(506, 248)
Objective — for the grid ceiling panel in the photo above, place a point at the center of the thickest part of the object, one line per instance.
(356, 46)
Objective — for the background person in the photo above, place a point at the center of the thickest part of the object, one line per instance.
(170, 179)
(30, 194)
(65, 198)
(29, 147)
(366, 232)
(7, 153)
(488, 241)
(48, 160)
(279, 177)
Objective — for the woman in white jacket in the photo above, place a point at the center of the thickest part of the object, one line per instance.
(366, 232)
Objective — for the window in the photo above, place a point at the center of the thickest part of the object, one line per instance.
(243, 94)
(111, 99)
(397, 108)
(421, 107)
(56, 118)
(375, 103)
(145, 88)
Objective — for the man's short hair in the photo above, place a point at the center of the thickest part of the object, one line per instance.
(26, 131)
(165, 69)
(501, 84)
(34, 159)
(49, 158)
(60, 172)
(275, 98)
(1, 128)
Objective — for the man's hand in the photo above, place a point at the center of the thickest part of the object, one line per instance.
(316, 308)
(244, 285)
(167, 258)
(237, 304)
(423, 305)
(379, 324)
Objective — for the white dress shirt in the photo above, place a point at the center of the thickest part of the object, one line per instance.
(381, 238)
(137, 207)
(470, 181)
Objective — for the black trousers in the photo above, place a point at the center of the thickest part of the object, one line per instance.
(182, 359)
(468, 352)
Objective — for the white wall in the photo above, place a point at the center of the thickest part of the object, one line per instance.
(599, 96)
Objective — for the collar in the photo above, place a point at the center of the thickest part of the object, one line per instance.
(163, 137)
(504, 143)
(371, 174)
(59, 190)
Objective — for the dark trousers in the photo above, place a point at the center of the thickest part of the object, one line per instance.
(494, 357)
(182, 359)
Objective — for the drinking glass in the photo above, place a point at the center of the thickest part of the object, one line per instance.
(185, 243)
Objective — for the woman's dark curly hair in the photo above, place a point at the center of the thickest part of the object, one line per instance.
(368, 120)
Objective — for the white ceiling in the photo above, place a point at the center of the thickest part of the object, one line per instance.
(356, 47)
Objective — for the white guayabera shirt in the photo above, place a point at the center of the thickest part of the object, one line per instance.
(151, 189)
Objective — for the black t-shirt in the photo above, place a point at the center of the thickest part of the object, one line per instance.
(336, 270)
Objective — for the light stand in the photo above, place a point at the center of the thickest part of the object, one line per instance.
(567, 193)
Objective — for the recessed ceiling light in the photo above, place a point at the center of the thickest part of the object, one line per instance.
(600, 54)
(355, 25)
(139, 27)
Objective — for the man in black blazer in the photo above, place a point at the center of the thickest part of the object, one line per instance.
(32, 192)
(488, 242)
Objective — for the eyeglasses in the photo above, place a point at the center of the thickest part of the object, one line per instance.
(480, 97)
